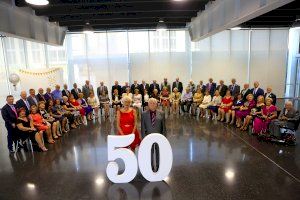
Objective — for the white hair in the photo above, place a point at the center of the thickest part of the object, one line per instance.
(153, 100)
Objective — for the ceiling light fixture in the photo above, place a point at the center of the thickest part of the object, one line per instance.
(236, 28)
(161, 25)
(88, 29)
(38, 2)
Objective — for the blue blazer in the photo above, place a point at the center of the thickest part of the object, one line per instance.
(259, 92)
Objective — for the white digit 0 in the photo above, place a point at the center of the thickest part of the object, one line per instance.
(165, 155)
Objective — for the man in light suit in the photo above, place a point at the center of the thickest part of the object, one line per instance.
(257, 91)
(153, 121)
(32, 100)
(288, 118)
(270, 95)
(234, 88)
(102, 88)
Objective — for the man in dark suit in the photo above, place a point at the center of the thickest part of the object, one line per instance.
(48, 95)
(234, 88)
(134, 86)
(75, 91)
(65, 91)
(40, 95)
(144, 86)
(9, 115)
(153, 86)
(166, 84)
(123, 90)
(201, 86)
(211, 87)
(222, 88)
(270, 95)
(153, 121)
(102, 88)
(23, 103)
(257, 91)
(177, 84)
(116, 86)
(32, 98)
(245, 91)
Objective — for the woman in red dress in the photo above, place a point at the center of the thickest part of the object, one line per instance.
(225, 107)
(77, 106)
(127, 122)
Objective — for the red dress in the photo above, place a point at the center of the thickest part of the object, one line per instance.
(226, 100)
(127, 121)
(76, 104)
(38, 122)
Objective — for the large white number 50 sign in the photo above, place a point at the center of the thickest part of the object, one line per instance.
(116, 146)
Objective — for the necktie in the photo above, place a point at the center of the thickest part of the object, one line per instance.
(35, 101)
(27, 104)
(14, 110)
(153, 118)
(232, 88)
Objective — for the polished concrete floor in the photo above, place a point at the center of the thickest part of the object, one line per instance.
(211, 161)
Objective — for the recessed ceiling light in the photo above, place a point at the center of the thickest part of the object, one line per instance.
(236, 28)
(38, 2)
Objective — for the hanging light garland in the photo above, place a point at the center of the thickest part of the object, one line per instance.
(51, 71)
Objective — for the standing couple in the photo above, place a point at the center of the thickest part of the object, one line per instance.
(153, 121)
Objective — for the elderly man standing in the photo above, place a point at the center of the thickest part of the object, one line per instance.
(87, 89)
(289, 118)
(153, 121)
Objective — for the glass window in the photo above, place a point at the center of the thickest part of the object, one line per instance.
(35, 55)
(97, 44)
(78, 44)
(117, 43)
(3, 78)
(15, 54)
(138, 42)
(159, 41)
(177, 41)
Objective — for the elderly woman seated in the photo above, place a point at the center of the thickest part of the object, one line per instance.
(93, 103)
(175, 100)
(205, 103)
(186, 100)
(104, 102)
(289, 118)
(262, 121)
(214, 105)
(197, 100)
(87, 108)
(165, 99)
(224, 109)
(66, 105)
(235, 107)
(244, 110)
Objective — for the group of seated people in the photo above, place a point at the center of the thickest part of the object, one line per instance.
(53, 113)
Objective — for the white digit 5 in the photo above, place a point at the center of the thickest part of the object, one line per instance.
(115, 151)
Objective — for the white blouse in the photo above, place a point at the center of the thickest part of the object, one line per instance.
(216, 101)
(137, 99)
(206, 99)
(93, 102)
(146, 97)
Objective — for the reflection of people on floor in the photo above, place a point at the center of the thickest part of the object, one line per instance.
(153, 121)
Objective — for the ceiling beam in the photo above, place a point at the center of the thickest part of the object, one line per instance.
(118, 8)
(127, 15)
(124, 21)
(127, 26)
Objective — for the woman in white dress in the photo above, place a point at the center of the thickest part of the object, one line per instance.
(205, 103)
(214, 105)
(93, 102)
(137, 101)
